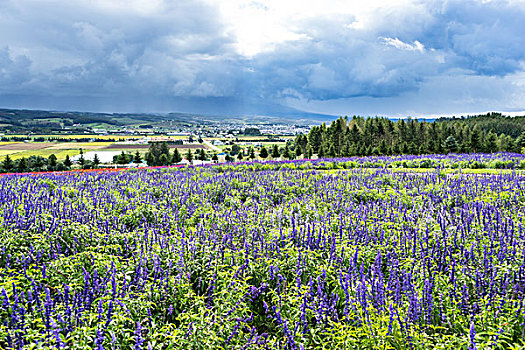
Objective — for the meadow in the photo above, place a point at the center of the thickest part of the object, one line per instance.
(353, 253)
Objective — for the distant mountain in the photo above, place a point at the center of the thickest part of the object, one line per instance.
(246, 110)
(196, 111)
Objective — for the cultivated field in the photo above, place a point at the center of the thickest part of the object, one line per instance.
(325, 254)
(71, 147)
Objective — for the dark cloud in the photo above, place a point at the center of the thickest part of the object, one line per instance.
(93, 55)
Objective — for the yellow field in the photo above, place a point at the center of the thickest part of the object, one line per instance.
(60, 150)
(60, 154)
(4, 152)
(83, 145)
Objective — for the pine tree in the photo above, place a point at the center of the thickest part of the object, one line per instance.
(96, 160)
(395, 148)
(123, 158)
(67, 162)
(22, 165)
(252, 153)
(164, 149)
(263, 153)
(320, 153)
(150, 159)
(490, 143)
(163, 159)
(275, 152)
(451, 145)
(215, 158)
(189, 156)
(7, 164)
(52, 160)
(81, 160)
(137, 159)
(309, 152)
(286, 152)
(298, 151)
(474, 141)
(176, 157)
(404, 148)
(332, 151)
(202, 155)
(383, 150)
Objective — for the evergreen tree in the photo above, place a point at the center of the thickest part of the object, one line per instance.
(263, 153)
(176, 157)
(123, 158)
(235, 150)
(202, 155)
(137, 159)
(52, 161)
(252, 153)
(164, 149)
(275, 152)
(239, 156)
(320, 153)
(451, 145)
(332, 151)
(490, 143)
(286, 152)
(163, 159)
(404, 148)
(215, 158)
(309, 152)
(96, 160)
(474, 141)
(7, 164)
(36, 162)
(315, 138)
(189, 156)
(395, 148)
(520, 142)
(298, 151)
(150, 159)
(22, 165)
(67, 162)
(383, 150)
(412, 148)
(81, 160)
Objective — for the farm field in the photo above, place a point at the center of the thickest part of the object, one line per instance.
(17, 150)
(360, 253)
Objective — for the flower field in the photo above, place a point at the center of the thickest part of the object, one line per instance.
(287, 255)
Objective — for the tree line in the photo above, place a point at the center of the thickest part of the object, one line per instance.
(360, 136)
(159, 153)
(34, 164)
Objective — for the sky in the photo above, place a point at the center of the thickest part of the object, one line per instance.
(394, 58)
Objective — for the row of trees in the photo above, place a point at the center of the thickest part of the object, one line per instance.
(159, 153)
(34, 164)
(380, 136)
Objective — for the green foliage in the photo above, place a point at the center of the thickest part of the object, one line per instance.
(380, 136)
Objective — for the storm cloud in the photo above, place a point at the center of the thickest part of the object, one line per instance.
(398, 58)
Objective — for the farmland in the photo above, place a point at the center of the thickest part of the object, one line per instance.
(70, 147)
(356, 253)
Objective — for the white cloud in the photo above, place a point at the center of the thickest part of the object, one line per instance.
(398, 44)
